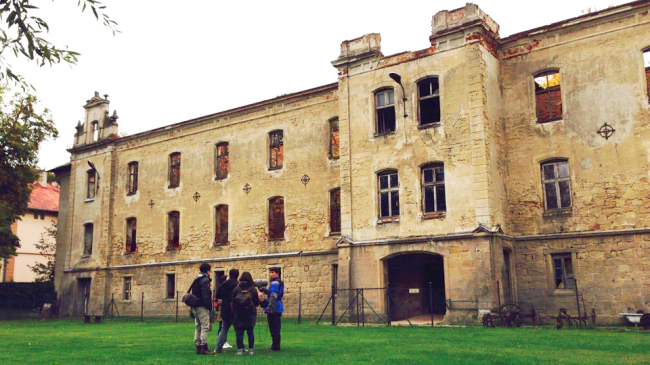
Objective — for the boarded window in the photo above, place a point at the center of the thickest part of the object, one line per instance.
(222, 160)
(173, 230)
(556, 184)
(548, 96)
(174, 169)
(335, 210)
(131, 228)
(132, 180)
(128, 281)
(564, 277)
(646, 65)
(171, 286)
(221, 225)
(334, 138)
(384, 112)
(429, 101)
(388, 194)
(88, 239)
(433, 188)
(276, 218)
(91, 187)
(276, 145)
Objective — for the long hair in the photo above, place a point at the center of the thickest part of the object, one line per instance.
(246, 276)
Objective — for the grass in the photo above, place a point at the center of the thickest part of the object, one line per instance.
(72, 342)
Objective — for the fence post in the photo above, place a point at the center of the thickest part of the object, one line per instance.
(142, 308)
(333, 305)
(363, 309)
(356, 299)
(388, 303)
(112, 304)
(431, 302)
(575, 285)
(300, 304)
(177, 306)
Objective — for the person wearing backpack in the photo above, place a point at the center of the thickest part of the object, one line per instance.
(201, 309)
(244, 303)
(225, 294)
(275, 307)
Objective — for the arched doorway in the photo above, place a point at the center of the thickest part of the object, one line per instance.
(408, 276)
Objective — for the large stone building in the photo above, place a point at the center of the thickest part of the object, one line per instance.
(489, 169)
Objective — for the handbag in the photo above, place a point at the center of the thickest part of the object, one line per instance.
(190, 299)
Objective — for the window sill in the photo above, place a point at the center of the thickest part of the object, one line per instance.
(217, 178)
(276, 240)
(131, 194)
(562, 292)
(549, 120)
(564, 212)
(384, 134)
(169, 249)
(130, 253)
(335, 234)
(437, 215)
(388, 220)
(429, 125)
(85, 256)
(172, 186)
(275, 168)
(220, 245)
(334, 158)
(169, 299)
(89, 200)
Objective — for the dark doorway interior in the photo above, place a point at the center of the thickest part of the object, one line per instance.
(83, 296)
(507, 281)
(409, 276)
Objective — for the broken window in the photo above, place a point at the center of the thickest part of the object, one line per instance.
(131, 228)
(171, 286)
(335, 210)
(132, 180)
(173, 230)
(646, 65)
(127, 287)
(276, 218)
(429, 101)
(433, 188)
(334, 138)
(388, 194)
(557, 187)
(95, 131)
(222, 160)
(564, 277)
(548, 96)
(174, 169)
(221, 225)
(276, 145)
(88, 239)
(384, 112)
(91, 185)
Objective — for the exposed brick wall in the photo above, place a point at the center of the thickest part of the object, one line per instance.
(9, 272)
(549, 112)
(647, 80)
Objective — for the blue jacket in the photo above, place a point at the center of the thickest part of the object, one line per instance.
(275, 298)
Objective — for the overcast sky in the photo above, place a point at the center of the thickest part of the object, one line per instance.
(180, 60)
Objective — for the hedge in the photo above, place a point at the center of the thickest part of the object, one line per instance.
(26, 296)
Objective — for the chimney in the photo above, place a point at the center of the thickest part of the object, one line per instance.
(42, 178)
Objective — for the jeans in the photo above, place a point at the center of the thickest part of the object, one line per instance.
(201, 325)
(240, 337)
(275, 324)
(223, 333)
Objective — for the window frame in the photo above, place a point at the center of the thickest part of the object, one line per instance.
(278, 144)
(646, 72)
(132, 246)
(334, 212)
(334, 155)
(388, 190)
(422, 125)
(170, 245)
(556, 180)
(218, 229)
(167, 286)
(126, 293)
(377, 109)
(91, 193)
(173, 166)
(220, 175)
(434, 184)
(548, 91)
(88, 239)
(132, 178)
(94, 130)
(272, 219)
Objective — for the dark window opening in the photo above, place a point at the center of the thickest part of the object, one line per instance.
(131, 228)
(564, 276)
(334, 138)
(222, 160)
(127, 287)
(173, 231)
(384, 112)
(646, 65)
(433, 188)
(276, 146)
(388, 194)
(335, 210)
(429, 101)
(171, 286)
(556, 183)
(132, 180)
(221, 225)
(88, 239)
(276, 218)
(174, 170)
(548, 96)
(42, 216)
(92, 184)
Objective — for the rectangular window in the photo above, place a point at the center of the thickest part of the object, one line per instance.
(221, 225)
(171, 286)
(335, 210)
(276, 218)
(548, 96)
(222, 160)
(174, 169)
(556, 184)
(131, 228)
(388, 194)
(429, 101)
(646, 65)
(334, 138)
(92, 184)
(276, 139)
(95, 126)
(42, 216)
(88, 239)
(433, 188)
(173, 230)
(384, 112)
(132, 180)
(563, 267)
(127, 287)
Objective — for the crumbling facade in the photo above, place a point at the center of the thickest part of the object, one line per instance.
(487, 169)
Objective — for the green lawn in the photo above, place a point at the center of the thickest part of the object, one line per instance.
(72, 342)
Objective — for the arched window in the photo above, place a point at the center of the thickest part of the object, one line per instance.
(276, 149)
(433, 188)
(132, 179)
(548, 96)
(131, 228)
(388, 184)
(429, 101)
(95, 130)
(556, 184)
(91, 186)
(276, 218)
(173, 230)
(222, 159)
(221, 225)
(384, 111)
(174, 169)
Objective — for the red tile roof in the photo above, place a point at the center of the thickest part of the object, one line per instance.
(44, 198)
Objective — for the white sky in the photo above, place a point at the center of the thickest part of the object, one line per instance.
(180, 60)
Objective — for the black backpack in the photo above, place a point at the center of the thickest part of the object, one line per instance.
(243, 302)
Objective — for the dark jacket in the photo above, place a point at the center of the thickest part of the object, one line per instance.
(201, 289)
(225, 294)
(246, 320)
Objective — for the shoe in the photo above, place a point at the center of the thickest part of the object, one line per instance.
(218, 351)
(227, 345)
(205, 350)
(250, 351)
(240, 352)
(198, 349)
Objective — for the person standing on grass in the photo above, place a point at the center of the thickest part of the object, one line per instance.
(201, 289)
(245, 299)
(275, 307)
(225, 294)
